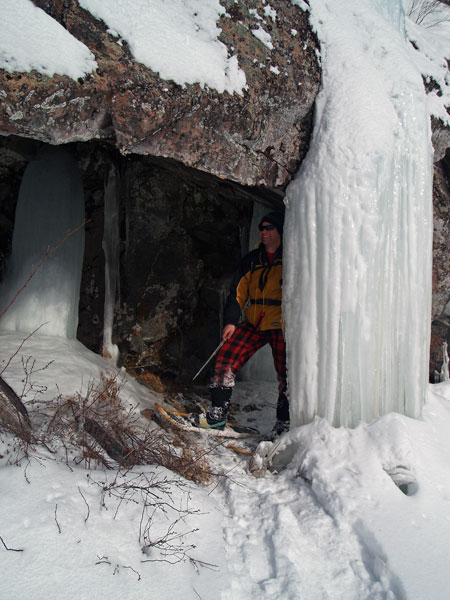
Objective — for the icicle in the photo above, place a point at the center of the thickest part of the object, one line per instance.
(111, 250)
(444, 375)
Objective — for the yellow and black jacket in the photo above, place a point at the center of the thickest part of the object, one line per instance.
(256, 289)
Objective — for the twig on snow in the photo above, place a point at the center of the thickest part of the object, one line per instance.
(85, 501)
(196, 563)
(10, 549)
(197, 593)
(137, 573)
(56, 520)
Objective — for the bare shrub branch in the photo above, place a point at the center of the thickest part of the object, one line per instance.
(428, 13)
(25, 339)
(155, 495)
(97, 429)
(13, 414)
(107, 431)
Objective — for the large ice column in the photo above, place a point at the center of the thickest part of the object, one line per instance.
(111, 250)
(50, 204)
(358, 233)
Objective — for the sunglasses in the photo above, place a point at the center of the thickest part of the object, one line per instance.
(266, 227)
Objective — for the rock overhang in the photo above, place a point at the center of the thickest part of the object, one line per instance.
(256, 138)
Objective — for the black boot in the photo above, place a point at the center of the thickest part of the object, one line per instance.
(282, 408)
(216, 416)
(220, 403)
(283, 421)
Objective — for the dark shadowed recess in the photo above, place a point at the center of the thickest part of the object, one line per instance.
(182, 232)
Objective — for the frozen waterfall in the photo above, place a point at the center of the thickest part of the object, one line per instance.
(358, 233)
(50, 204)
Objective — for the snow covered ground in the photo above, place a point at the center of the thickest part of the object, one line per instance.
(332, 524)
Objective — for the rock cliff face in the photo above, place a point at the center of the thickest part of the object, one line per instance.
(191, 163)
(181, 235)
(440, 331)
(256, 139)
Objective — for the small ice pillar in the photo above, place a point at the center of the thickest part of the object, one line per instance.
(50, 204)
(111, 250)
(444, 375)
(358, 232)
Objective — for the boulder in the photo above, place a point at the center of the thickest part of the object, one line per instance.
(256, 138)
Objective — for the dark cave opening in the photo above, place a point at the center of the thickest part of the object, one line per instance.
(181, 235)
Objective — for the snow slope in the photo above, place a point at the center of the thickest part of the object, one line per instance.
(331, 525)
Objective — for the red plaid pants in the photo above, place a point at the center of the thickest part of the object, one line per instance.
(242, 345)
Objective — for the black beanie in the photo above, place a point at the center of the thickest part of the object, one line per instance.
(276, 218)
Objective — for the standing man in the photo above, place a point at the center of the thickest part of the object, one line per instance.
(256, 290)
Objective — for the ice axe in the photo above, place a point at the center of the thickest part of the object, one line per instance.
(260, 318)
(212, 355)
